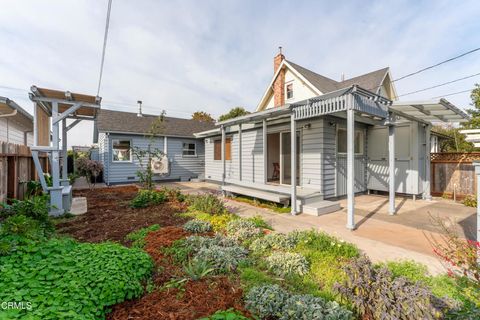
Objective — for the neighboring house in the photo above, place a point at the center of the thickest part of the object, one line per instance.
(343, 129)
(436, 141)
(16, 124)
(118, 132)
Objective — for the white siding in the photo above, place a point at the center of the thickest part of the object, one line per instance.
(11, 131)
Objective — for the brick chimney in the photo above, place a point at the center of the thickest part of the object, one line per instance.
(279, 83)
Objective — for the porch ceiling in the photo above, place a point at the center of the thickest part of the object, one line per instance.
(431, 111)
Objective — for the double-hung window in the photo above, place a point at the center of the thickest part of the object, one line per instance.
(189, 149)
(121, 150)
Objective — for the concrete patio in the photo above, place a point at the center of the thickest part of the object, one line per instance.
(381, 236)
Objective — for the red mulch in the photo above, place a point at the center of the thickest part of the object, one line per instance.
(110, 217)
(199, 298)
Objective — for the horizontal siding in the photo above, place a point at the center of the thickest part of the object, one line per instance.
(11, 132)
(182, 168)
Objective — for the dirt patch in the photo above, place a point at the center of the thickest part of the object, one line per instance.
(109, 216)
(196, 299)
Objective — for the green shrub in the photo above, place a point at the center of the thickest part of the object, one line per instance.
(260, 222)
(230, 314)
(253, 277)
(138, 237)
(287, 264)
(66, 279)
(35, 207)
(173, 194)
(197, 226)
(208, 202)
(221, 253)
(313, 308)
(218, 221)
(179, 251)
(376, 294)
(146, 198)
(266, 301)
(315, 241)
(273, 241)
(196, 269)
(242, 230)
(470, 201)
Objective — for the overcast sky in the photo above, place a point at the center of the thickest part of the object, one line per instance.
(183, 56)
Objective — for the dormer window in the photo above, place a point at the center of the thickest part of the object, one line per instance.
(289, 91)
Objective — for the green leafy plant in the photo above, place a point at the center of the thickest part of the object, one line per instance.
(146, 198)
(173, 194)
(266, 301)
(242, 230)
(375, 294)
(218, 221)
(287, 264)
(470, 201)
(138, 237)
(313, 308)
(273, 241)
(208, 202)
(230, 314)
(260, 222)
(179, 250)
(197, 269)
(197, 226)
(66, 279)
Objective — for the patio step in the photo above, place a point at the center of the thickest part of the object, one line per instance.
(320, 207)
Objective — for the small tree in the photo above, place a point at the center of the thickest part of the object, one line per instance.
(145, 156)
(474, 123)
(202, 116)
(90, 169)
(233, 113)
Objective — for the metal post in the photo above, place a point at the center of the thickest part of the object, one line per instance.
(224, 162)
(350, 168)
(240, 152)
(64, 151)
(265, 160)
(427, 195)
(391, 169)
(35, 123)
(476, 164)
(293, 162)
(56, 190)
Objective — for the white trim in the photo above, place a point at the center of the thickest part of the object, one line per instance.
(194, 150)
(362, 131)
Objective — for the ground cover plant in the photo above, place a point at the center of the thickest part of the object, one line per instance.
(138, 237)
(275, 207)
(208, 203)
(146, 198)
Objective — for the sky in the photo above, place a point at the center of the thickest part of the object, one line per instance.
(184, 56)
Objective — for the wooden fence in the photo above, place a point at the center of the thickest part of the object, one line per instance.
(453, 174)
(16, 168)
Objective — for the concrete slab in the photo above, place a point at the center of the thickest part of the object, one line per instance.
(79, 205)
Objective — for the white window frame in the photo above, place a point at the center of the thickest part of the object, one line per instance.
(362, 146)
(189, 155)
(286, 91)
(121, 161)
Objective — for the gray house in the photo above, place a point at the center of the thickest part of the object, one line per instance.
(16, 124)
(118, 132)
(350, 136)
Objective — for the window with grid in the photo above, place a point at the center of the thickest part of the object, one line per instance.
(189, 149)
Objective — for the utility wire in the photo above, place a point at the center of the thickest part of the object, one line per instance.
(451, 94)
(436, 65)
(439, 85)
(107, 25)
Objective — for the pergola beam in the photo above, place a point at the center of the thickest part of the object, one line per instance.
(67, 112)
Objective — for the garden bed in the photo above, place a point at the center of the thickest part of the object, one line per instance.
(110, 217)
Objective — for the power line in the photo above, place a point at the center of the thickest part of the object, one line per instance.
(439, 85)
(436, 65)
(454, 93)
(107, 25)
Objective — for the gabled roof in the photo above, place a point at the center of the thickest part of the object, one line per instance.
(129, 122)
(320, 82)
(8, 108)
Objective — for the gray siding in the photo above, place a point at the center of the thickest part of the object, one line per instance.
(181, 167)
(11, 132)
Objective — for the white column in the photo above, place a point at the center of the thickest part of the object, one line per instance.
(224, 162)
(56, 190)
(391, 169)
(35, 123)
(476, 164)
(165, 145)
(426, 194)
(64, 150)
(265, 160)
(293, 162)
(240, 152)
(350, 169)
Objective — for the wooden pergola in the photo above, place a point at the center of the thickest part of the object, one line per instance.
(52, 108)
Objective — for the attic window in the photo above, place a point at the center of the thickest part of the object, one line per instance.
(289, 91)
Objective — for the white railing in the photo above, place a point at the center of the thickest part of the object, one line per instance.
(320, 107)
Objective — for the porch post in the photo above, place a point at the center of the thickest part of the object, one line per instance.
(293, 162)
(265, 162)
(56, 189)
(224, 162)
(391, 169)
(426, 194)
(240, 152)
(64, 150)
(350, 168)
(476, 164)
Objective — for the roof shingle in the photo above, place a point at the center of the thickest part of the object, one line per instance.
(129, 122)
